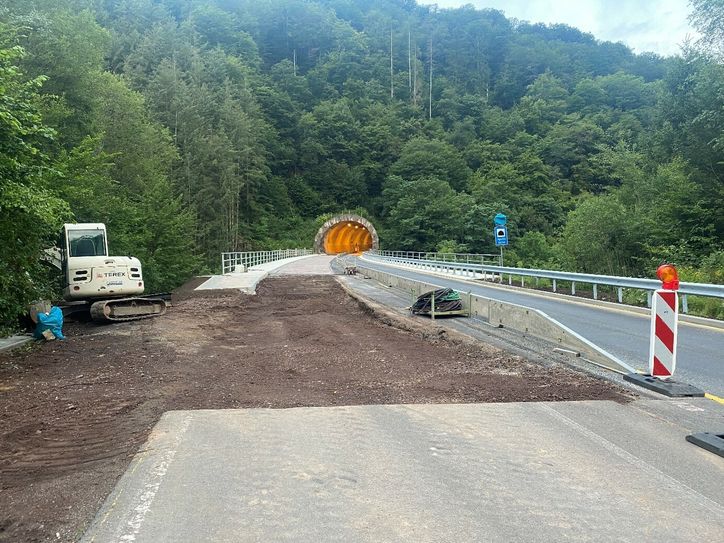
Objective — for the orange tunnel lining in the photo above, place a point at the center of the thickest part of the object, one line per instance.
(347, 237)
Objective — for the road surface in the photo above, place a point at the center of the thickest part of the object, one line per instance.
(535, 472)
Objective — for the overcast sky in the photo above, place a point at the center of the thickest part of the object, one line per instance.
(644, 25)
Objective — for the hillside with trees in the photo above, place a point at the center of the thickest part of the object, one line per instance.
(192, 127)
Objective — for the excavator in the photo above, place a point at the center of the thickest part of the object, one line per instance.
(110, 287)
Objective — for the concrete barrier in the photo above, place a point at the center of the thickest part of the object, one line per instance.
(522, 319)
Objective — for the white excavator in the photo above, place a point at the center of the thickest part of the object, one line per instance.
(110, 287)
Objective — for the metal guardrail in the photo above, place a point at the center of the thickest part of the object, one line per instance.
(467, 258)
(240, 262)
(473, 267)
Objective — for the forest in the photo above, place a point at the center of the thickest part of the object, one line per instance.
(192, 127)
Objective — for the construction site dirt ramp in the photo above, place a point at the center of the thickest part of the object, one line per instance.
(346, 233)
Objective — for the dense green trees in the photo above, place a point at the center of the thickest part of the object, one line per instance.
(103, 159)
(196, 126)
(30, 212)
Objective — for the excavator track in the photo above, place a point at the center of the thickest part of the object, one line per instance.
(127, 309)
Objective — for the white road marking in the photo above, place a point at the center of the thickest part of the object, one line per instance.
(150, 488)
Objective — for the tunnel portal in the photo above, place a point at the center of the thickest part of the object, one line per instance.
(346, 234)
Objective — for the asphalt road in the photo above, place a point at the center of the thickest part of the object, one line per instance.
(700, 358)
(505, 472)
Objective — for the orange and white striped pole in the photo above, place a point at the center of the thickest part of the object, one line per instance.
(664, 324)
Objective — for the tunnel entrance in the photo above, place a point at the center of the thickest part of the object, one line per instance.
(346, 234)
(347, 237)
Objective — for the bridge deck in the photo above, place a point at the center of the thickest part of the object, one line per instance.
(247, 281)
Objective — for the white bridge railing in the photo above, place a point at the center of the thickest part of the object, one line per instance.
(474, 264)
(467, 258)
(240, 262)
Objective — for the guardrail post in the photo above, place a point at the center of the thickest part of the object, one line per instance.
(684, 304)
(573, 288)
(620, 296)
(554, 285)
(648, 298)
(595, 291)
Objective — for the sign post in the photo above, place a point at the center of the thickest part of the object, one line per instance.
(500, 234)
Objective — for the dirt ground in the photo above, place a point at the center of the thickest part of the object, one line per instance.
(74, 413)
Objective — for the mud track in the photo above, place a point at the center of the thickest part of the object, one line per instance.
(74, 413)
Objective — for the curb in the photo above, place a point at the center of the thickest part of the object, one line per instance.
(13, 342)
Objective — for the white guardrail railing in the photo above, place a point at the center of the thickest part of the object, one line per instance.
(240, 262)
(470, 265)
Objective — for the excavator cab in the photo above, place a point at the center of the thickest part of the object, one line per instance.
(86, 241)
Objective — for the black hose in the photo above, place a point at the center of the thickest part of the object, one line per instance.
(446, 299)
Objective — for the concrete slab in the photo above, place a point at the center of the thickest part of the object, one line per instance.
(247, 281)
(11, 342)
(529, 472)
(316, 265)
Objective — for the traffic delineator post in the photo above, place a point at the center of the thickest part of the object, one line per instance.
(662, 353)
(664, 328)
(662, 344)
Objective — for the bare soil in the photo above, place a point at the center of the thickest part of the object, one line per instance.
(74, 412)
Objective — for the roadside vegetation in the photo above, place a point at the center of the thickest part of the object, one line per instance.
(192, 127)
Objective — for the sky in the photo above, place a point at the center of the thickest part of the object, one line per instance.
(659, 26)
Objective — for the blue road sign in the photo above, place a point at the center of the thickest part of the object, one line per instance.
(500, 233)
(500, 219)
